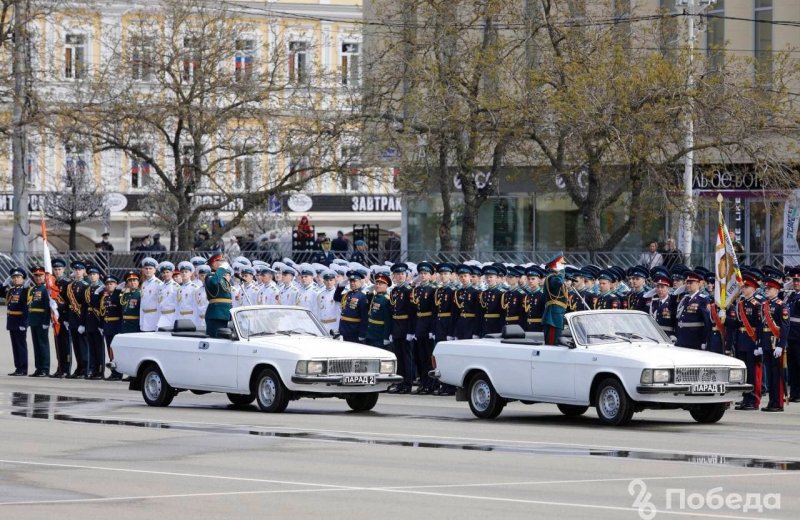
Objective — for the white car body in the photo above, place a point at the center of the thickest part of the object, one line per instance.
(190, 360)
(527, 370)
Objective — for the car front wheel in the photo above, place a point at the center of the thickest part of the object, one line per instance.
(363, 402)
(155, 389)
(271, 394)
(483, 399)
(708, 413)
(614, 407)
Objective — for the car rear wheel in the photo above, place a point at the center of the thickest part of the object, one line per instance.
(708, 413)
(572, 410)
(483, 399)
(363, 402)
(614, 407)
(155, 389)
(271, 394)
(241, 399)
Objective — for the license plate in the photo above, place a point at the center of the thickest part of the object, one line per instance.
(708, 388)
(358, 380)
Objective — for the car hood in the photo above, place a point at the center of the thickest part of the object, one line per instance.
(664, 355)
(313, 347)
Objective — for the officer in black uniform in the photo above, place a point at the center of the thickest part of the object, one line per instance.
(793, 343)
(93, 320)
(17, 320)
(466, 306)
(39, 320)
(355, 310)
(606, 298)
(663, 305)
(444, 317)
(111, 309)
(774, 333)
(422, 298)
(402, 327)
(636, 299)
(75, 295)
(491, 300)
(747, 345)
(534, 300)
(62, 338)
(693, 320)
(379, 321)
(512, 299)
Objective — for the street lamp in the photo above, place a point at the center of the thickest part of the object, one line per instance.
(692, 9)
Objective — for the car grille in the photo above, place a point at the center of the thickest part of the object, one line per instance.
(701, 375)
(353, 366)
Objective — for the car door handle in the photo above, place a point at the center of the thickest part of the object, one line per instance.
(535, 353)
(203, 345)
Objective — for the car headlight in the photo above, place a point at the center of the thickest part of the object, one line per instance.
(737, 375)
(658, 375)
(313, 368)
(387, 367)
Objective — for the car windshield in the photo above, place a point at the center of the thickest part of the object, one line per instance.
(616, 327)
(273, 321)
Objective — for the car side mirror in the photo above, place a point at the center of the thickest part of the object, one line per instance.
(225, 333)
(334, 334)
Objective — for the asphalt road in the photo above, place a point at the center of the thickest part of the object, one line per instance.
(93, 449)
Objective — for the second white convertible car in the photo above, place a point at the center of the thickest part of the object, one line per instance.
(271, 354)
(620, 362)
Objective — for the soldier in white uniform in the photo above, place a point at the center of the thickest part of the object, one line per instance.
(268, 289)
(196, 262)
(330, 309)
(151, 286)
(200, 297)
(167, 296)
(308, 292)
(185, 296)
(248, 289)
(289, 291)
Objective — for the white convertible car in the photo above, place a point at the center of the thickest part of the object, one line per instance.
(271, 354)
(620, 362)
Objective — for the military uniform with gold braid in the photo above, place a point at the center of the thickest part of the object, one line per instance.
(774, 334)
(94, 327)
(379, 321)
(130, 300)
(76, 299)
(218, 291)
(533, 302)
(39, 321)
(444, 307)
(491, 302)
(512, 301)
(466, 306)
(402, 329)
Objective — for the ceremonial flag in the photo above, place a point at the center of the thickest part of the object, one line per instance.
(50, 280)
(726, 267)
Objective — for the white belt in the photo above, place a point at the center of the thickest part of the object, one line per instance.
(667, 328)
(794, 320)
(691, 325)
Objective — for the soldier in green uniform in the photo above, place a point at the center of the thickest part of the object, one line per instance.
(555, 306)
(39, 321)
(218, 291)
(379, 323)
(130, 300)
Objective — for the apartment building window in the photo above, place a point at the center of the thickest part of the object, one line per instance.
(142, 58)
(244, 170)
(715, 36)
(763, 40)
(298, 62)
(192, 58)
(300, 166)
(350, 178)
(76, 164)
(351, 64)
(244, 59)
(75, 54)
(141, 170)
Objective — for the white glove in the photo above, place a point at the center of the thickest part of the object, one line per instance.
(431, 335)
(45, 327)
(23, 329)
(703, 346)
(673, 339)
(66, 325)
(226, 266)
(410, 337)
(55, 315)
(475, 336)
(451, 338)
(362, 339)
(758, 352)
(81, 329)
(54, 306)
(387, 342)
(777, 352)
(390, 338)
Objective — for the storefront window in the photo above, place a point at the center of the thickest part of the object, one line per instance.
(556, 223)
(757, 236)
(776, 227)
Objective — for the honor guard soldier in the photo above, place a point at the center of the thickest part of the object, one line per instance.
(329, 310)
(422, 298)
(774, 333)
(248, 289)
(288, 293)
(62, 338)
(749, 309)
(359, 255)
(718, 335)
(200, 296)
(491, 300)
(17, 320)
(534, 300)
(590, 290)
(268, 292)
(379, 322)
(606, 299)
(40, 307)
(324, 255)
(93, 321)
(150, 289)
(511, 300)
(444, 306)
(76, 294)
(167, 296)
(402, 327)
(793, 342)
(556, 300)
(693, 321)
(308, 294)
(218, 292)
(662, 305)
(111, 308)
(635, 299)
(355, 310)
(467, 306)
(184, 299)
(131, 301)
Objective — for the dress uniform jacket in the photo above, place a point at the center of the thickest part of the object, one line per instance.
(200, 304)
(76, 299)
(184, 301)
(267, 294)
(148, 305)
(168, 304)
(288, 294)
(718, 335)
(556, 301)
(636, 301)
(131, 301)
(533, 306)
(39, 321)
(512, 303)
(218, 292)
(693, 321)
(355, 313)
(491, 302)
(468, 312)
(308, 298)
(111, 307)
(774, 335)
(422, 298)
(328, 309)
(793, 344)
(379, 321)
(444, 310)
(607, 301)
(750, 318)
(664, 312)
(17, 318)
(402, 311)
(93, 316)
